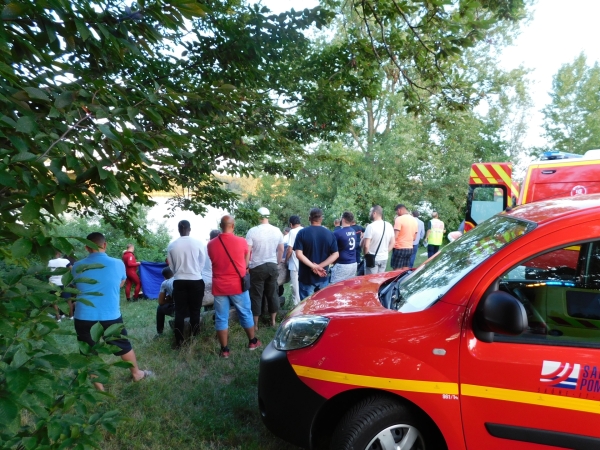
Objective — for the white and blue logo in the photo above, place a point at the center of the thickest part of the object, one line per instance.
(560, 375)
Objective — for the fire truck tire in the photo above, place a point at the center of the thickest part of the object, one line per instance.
(381, 423)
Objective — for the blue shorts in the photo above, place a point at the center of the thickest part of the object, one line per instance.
(241, 302)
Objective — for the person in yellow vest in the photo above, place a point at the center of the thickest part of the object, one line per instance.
(435, 235)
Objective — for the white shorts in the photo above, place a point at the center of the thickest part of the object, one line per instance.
(341, 272)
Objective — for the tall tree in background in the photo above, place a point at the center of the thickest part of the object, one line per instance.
(408, 141)
(572, 119)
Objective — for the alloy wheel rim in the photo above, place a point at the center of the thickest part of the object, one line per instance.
(397, 437)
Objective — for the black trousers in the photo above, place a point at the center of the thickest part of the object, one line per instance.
(162, 311)
(188, 295)
(263, 281)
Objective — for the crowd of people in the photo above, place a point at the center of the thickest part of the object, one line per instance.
(317, 256)
(242, 272)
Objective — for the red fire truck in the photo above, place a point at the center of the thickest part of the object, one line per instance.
(557, 174)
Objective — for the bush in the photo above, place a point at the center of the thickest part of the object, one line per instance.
(47, 399)
(149, 246)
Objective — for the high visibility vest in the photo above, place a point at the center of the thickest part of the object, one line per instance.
(436, 235)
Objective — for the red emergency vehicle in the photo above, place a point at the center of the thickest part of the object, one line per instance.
(557, 174)
(485, 346)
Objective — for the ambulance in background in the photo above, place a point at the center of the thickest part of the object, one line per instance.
(557, 174)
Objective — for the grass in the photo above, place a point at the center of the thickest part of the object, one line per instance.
(196, 399)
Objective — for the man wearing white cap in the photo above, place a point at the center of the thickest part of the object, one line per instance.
(266, 246)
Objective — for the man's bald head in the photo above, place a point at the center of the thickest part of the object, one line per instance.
(227, 223)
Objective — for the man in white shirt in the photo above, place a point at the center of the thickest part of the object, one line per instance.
(186, 257)
(60, 263)
(378, 240)
(291, 258)
(420, 235)
(266, 246)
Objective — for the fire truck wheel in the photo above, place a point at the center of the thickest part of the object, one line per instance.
(380, 423)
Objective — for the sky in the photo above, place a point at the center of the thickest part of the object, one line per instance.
(557, 33)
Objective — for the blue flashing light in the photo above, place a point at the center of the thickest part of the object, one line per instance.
(555, 154)
(560, 283)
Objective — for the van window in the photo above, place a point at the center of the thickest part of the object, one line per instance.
(487, 201)
(560, 291)
(431, 281)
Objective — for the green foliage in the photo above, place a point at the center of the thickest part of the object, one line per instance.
(46, 395)
(149, 245)
(422, 161)
(572, 119)
(419, 44)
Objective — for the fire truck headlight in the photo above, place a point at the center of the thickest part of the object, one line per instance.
(298, 332)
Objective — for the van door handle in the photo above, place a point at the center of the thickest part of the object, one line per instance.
(548, 172)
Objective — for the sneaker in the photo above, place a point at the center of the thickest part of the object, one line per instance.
(254, 345)
(224, 353)
(158, 335)
(71, 318)
(57, 320)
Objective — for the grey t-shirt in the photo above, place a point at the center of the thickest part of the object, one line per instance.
(264, 240)
(167, 286)
(374, 231)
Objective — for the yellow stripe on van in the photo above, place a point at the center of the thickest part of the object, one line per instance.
(526, 186)
(395, 384)
(531, 398)
(434, 387)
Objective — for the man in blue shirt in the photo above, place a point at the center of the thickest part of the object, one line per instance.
(314, 243)
(104, 296)
(347, 242)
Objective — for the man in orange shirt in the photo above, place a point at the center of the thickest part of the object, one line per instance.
(405, 232)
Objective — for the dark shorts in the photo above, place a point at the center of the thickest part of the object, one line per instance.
(83, 327)
(401, 257)
(263, 282)
(63, 294)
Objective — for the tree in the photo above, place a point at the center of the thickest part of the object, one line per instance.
(572, 119)
(104, 102)
(421, 160)
(419, 45)
(152, 248)
(100, 107)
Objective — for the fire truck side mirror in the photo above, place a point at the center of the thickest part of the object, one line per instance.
(499, 312)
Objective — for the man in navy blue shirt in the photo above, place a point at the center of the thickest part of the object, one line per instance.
(315, 247)
(348, 244)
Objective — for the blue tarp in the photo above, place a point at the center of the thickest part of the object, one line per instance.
(151, 277)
